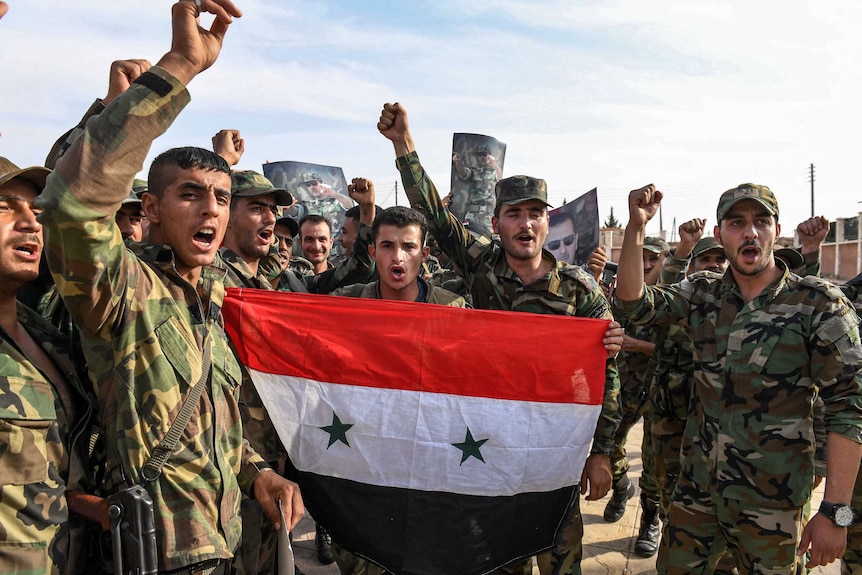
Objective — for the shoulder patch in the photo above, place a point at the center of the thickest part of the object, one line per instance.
(822, 285)
(579, 274)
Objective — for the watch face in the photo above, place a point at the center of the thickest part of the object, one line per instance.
(843, 516)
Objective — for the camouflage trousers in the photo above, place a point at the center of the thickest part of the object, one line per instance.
(762, 540)
(851, 563)
(565, 557)
(634, 405)
(350, 564)
(258, 551)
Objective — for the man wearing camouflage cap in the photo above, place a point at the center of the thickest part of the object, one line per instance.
(672, 366)
(44, 411)
(480, 181)
(766, 342)
(516, 274)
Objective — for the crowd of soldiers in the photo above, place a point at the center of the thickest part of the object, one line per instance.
(743, 363)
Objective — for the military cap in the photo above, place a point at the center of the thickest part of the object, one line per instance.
(517, 189)
(760, 194)
(250, 184)
(140, 186)
(656, 245)
(704, 245)
(311, 177)
(36, 175)
(132, 198)
(291, 224)
(790, 256)
(482, 149)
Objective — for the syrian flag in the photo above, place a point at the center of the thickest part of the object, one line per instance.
(428, 439)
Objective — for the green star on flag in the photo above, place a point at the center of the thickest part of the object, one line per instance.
(470, 447)
(337, 431)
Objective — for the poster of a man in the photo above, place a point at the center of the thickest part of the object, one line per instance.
(318, 189)
(477, 164)
(573, 229)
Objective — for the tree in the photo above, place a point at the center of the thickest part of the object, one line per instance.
(612, 221)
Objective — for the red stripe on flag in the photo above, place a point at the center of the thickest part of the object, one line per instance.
(419, 347)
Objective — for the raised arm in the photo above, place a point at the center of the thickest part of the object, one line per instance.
(643, 204)
(452, 237)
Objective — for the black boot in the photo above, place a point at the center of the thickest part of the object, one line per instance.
(646, 544)
(324, 545)
(623, 491)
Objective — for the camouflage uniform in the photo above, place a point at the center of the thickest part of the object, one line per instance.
(480, 195)
(566, 290)
(747, 456)
(43, 433)
(348, 563)
(142, 328)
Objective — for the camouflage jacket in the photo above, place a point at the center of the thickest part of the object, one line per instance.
(43, 449)
(565, 290)
(142, 327)
(433, 294)
(757, 369)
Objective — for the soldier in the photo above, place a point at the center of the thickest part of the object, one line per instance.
(481, 180)
(150, 318)
(516, 274)
(130, 218)
(765, 343)
(399, 249)
(286, 229)
(44, 411)
(254, 204)
(638, 347)
(315, 239)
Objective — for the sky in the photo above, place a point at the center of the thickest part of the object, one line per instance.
(695, 97)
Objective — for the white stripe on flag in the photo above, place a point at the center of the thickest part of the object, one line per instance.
(405, 438)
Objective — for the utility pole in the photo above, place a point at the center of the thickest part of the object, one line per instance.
(660, 223)
(396, 192)
(811, 177)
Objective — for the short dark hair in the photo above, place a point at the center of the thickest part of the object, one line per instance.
(314, 219)
(557, 218)
(400, 217)
(184, 158)
(352, 213)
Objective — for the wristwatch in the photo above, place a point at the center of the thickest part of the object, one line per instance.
(841, 515)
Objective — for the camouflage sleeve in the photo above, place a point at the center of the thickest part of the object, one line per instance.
(810, 265)
(83, 245)
(451, 235)
(66, 140)
(357, 269)
(610, 417)
(658, 306)
(673, 269)
(836, 361)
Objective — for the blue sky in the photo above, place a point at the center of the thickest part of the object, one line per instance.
(693, 96)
